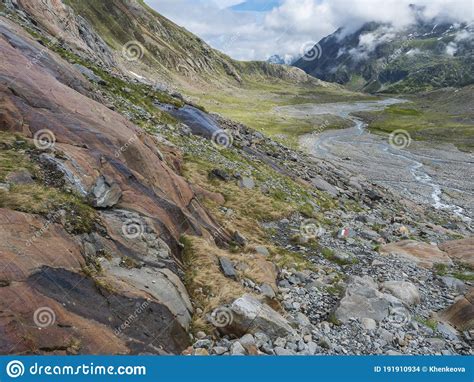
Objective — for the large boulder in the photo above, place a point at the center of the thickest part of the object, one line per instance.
(461, 313)
(404, 291)
(460, 250)
(423, 254)
(249, 315)
(363, 300)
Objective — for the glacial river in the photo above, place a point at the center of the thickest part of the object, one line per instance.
(434, 173)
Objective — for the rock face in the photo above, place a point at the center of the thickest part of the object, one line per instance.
(252, 316)
(131, 257)
(460, 250)
(461, 313)
(425, 255)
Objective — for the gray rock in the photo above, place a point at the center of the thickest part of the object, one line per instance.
(260, 249)
(247, 183)
(267, 291)
(454, 283)
(362, 300)
(312, 347)
(404, 291)
(261, 339)
(447, 331)
(227, 267)
(219, 350)
(105, 193)
(322, 185)
(282, 351)
(90, 75)
(237, 349)
(4, 187)
(239, 239)
(368, 324)
(251, 316)
(206, 344)
(247, 341)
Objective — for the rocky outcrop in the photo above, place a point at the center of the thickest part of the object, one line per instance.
(460, 250)
(461, 313)
(249, 315)
(122, 279)
(425, 255)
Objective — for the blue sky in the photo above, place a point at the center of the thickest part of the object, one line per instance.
(258, 29)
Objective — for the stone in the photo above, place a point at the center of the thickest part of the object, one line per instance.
(260, 249)
(220, 174)
(454, 283)
(404, 291)
(105, 193)
(362, 300)
(90, 75)
(4, 187)
(423, 254)
(201, 352)
(461, 313)
(302, 320)
(460, 250)
(200, 335)
(322, 185)
(368, 323)
(312, 348)
(267, 291)
(207, 344)
(239, 239)
(261, 339)
(247, 341)
(247, 183)
(227, 268)
(237, 349)
(219, 350)
(252, 316)
(20, 177)
(447, 331)
(282, 351)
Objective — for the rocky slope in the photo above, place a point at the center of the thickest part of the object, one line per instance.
(378, 57)
(124, 233)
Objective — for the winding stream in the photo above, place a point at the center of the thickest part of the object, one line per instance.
(437, 174)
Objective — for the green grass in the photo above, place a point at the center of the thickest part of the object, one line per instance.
(441, 116)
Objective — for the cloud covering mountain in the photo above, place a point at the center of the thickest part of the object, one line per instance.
(258, 29)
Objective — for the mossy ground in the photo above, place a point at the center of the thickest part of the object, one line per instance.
(444, 116)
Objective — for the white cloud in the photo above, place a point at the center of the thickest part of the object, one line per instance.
(284, 29)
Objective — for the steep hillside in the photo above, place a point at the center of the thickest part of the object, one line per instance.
(379, 57)
(131, 36)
